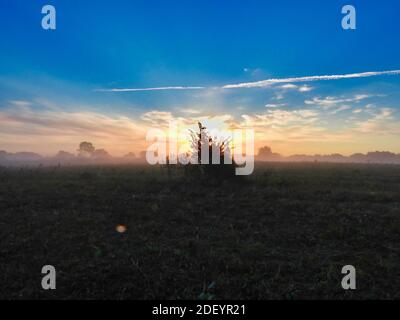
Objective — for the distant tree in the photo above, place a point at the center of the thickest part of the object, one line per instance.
(142, 154)
(100, 154)
(264, 151)
(86, 149)
(130, 155)
(64, 155)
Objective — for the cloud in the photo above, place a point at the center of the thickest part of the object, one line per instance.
(290, 126)
(162, 119)
(158, 118)
(269, 82)
(304, 88)
(251, 71)
(381, 123)
(329, 102)
(289, 86)
(20, 103)
(340, 109)
(281, 118)
(148, 89)
(47, 131)
(288, 82)
(275, 105)
(189, 111)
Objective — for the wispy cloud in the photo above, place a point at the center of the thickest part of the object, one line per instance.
(281, 118)
(291, 126)
(20, 103)
(288, 86)
(269, 82)
(46, 131)
(159, 118)
(288, 82)
(275, 105)
(304, 88)
(340, 109)
(189, 111)
(148, 89)
(329, 102)
(381, 123)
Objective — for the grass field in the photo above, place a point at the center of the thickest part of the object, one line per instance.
(283, 233)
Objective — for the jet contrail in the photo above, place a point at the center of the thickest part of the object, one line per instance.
(268, 82)
(148, 89)
(263, 83)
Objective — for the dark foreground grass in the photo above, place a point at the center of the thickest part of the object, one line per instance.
(284, 233)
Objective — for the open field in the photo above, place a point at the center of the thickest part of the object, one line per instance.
(283, 233)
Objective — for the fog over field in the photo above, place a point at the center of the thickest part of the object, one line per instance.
(264, 154)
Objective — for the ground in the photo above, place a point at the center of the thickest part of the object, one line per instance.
(283, 233)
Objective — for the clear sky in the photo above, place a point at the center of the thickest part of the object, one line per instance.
(200, 60)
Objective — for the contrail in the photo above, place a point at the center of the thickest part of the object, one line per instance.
(263, 83)
(268, 82)
(148, 89)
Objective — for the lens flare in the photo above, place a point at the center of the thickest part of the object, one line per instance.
(121, 228)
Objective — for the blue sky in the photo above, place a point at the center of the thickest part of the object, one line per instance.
(53, 77)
